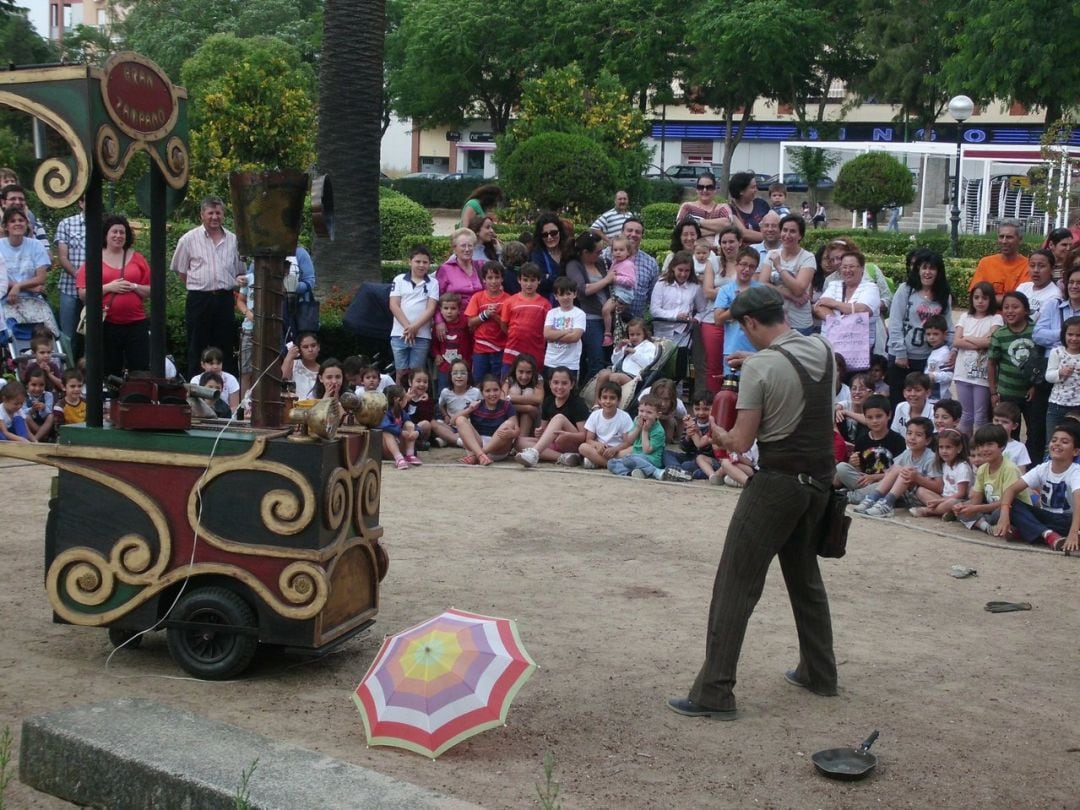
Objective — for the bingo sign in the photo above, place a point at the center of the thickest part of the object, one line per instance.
(139, 97)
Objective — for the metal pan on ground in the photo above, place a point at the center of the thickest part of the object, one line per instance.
(847, 763)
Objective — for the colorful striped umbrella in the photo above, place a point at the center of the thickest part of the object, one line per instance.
(442, 681)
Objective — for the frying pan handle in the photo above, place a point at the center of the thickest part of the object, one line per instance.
(869, 741)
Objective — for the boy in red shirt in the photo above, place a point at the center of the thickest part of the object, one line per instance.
(455, 343)
(489, 331)
(524, 315)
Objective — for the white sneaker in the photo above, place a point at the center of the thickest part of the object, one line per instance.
(638, 474)
(862, 506)
(569, 460)
(528, 457)
(731, 482)
(880, 509)
(588, 464)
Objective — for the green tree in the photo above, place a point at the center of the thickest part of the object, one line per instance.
(872, 182)
(742, 52)
(20, 45)
(350, 112)
(170, 31)
(255, 113)
(557, 171)
(561, 100)
(460, 59)
(86, 44)
(909, 42)
(815, 165)
(1014, 52)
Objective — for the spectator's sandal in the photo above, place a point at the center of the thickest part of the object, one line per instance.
(1006, 607)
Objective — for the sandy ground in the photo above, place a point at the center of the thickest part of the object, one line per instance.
(609, 580)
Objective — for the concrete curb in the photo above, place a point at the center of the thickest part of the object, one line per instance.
(138, 754)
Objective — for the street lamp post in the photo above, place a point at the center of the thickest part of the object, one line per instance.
(960, 108)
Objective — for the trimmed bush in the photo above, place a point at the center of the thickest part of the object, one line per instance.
(658, 191)
(398, 217)
(873, 181)
(659, 218)
(560, 172)
(437, 193)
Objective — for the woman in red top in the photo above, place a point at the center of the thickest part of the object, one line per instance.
(125, 284)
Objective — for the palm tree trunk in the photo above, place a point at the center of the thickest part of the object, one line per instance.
(350, 130)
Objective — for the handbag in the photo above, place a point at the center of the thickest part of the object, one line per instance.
(80, 327)
(849, 335)
(834, 526)
(307, 316)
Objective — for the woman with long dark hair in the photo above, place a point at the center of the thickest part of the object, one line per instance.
(551, 240)
(480, 204)
(594, 281)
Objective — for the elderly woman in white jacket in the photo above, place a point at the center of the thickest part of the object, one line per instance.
(676, 299)
(850, 293)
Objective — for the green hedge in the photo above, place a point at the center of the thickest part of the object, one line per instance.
(436, 193)
(659, 191)
(399, 216)
(659, 219)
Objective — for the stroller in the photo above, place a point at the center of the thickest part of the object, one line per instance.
(662, 366)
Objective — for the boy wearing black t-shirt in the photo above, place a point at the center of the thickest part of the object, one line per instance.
(875, 447)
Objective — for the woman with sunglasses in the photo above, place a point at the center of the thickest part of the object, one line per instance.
(711, 217)
(550, 248)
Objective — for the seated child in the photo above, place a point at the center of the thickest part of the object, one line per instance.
(914, 468)
(212, 360)
(41, 349)
(876, 447)
(625, 278)
(453, 402)
(562, 427)
(606, 428)
(879, 367)
(996, 473)
(738, 468)
(849, 412)
(938, 367)
(630, 358)
(1007, 414)
(1056, 520)
(71, 409)
(331, 380)
(489, 427)
(217, 408)
(421, 407)
(670, 410)
(356, 366)
(13, 427)
(301, 364)
(399, 435)
(916, 401)
(947, 413)
(642, 452)
(956, 475)
(38, 411)
(525, 388)
(698, 456)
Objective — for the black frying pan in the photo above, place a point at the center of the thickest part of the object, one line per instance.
(847, 763)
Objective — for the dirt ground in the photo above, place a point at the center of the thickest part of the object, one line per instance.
(609, 580)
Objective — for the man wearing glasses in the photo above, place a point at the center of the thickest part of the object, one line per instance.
(647, 268)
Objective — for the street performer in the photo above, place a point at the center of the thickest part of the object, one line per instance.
(785, 402)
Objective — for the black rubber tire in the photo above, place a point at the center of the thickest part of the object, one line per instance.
(207, 654)
(128, 639)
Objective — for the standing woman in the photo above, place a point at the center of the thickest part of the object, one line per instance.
(676, 300)
(1059, 242)
(125, 284)
(925, 292)
(707, 348)
(710, 215)
(459, 273)
(479, 205)
(551, 240)
(488, 248)
(747, 208)
(594, 286)
(683, 237)
(790, 270)
(28, 264)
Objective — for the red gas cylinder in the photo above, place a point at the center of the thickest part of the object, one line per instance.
(723, 404)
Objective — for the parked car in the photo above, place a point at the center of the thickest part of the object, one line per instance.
(685, 174)
(467, 176)
(796, 182)
(423, 176)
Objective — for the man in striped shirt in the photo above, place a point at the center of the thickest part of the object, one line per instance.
(609, 224)
(209, 265)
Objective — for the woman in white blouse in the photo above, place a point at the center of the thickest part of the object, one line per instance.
(850, 293)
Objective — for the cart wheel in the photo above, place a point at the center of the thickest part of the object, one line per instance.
(128, 639)
(207, 653)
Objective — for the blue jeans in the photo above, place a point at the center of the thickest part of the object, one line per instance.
(636, 461)
(70, 305)
(486, 363)
(407, 356)
(1031, 521)
(592, 349)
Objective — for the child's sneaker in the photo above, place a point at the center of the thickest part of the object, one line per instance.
(717, 479)
(863, 506)
(982, 525)
(1055, 541)
(402, 464)
(921, 511)
(731, 482)
(588, 464)
(569, 460)
(881, 509)
(527, 457)
(438, 441)
(675, 474)
(413, 461)
(638, 474)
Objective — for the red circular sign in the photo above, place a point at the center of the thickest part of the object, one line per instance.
(138, 96)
